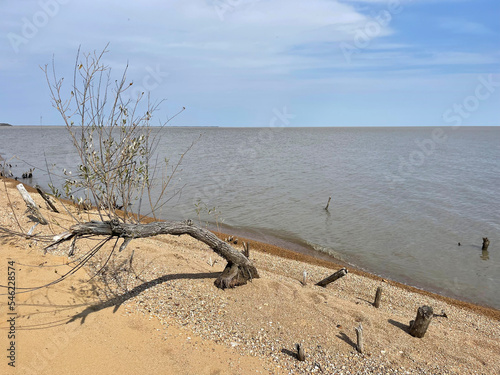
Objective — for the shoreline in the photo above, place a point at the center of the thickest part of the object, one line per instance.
(164, 308)
(313, 257)
(335, 264)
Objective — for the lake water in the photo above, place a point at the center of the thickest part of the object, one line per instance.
(402, 198)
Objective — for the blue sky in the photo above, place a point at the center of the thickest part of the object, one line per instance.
(237, 62)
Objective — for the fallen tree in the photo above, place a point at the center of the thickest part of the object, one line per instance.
(239, 268)
(120, 169)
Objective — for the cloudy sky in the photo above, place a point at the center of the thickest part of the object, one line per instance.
(237, 62)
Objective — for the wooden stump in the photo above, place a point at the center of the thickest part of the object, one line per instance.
(301, 355)
(378, 296)
(304, 278)
(359, 336)
(332, 277)
(419, 326)
(486, 243)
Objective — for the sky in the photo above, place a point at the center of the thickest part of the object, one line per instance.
(251, 62)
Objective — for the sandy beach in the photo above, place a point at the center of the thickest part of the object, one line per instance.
(162, 314)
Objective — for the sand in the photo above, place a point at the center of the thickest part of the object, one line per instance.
(162, 314)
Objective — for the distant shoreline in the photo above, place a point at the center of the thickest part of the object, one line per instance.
(4, 124)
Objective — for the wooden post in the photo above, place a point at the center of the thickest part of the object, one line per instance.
(332, 277)
(328, 204)
(246, 249)
(359, 336)
(378, 296)
(46, 198)
(486, 243)
(419, 326)
(30, 203)
(304, 278)
(301, 355)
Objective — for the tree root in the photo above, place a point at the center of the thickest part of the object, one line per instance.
(234, 275)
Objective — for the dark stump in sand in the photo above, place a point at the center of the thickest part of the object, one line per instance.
(419, 326)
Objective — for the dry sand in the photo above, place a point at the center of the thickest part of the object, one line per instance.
(163, 315)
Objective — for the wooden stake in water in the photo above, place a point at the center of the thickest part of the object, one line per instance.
(486, 243)
(328, 204)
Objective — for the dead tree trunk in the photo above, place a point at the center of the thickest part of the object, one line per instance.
(332, 278)
(31, 205)
(46, 198)
(238, 271)
(419, 326)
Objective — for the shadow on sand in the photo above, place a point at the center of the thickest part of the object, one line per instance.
(118, 300)
(404, 327)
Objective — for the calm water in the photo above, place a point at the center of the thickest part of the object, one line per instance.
(402, 198)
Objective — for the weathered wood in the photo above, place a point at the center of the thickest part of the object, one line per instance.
(239, 268)
(330, 279)
(46, 198)
(328, 204)
(359, 336)
(419, 326)
(301, 355)
(442, 315)
(304, 278)
(246, 249)
(486, 243)
(378, 296)
(30, 203)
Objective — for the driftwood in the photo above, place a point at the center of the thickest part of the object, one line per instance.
(46, 198)
(419, 326)
(239, 268)
(378, 296)
(332, 277)
(359, 336)
(30, 203)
